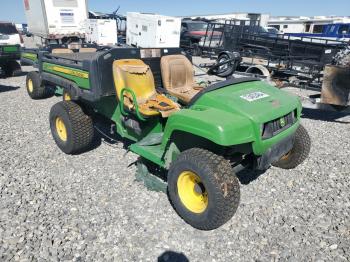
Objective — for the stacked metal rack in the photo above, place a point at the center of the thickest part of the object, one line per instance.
(283, 56)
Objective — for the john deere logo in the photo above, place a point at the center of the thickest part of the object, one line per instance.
(282, 122)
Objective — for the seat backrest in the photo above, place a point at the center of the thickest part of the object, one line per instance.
(135, 75)
(61, 51)
(87, 50)
(177, 72)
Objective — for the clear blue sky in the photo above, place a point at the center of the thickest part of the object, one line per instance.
(12, 10)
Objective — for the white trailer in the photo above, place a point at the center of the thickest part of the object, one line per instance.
(151, 30)
(101, 31)
(56, 21)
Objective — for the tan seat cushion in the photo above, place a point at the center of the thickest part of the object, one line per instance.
(135, 75)
(61, 51)
(87, 50)
(177, 75)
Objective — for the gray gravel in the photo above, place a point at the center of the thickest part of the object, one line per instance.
(89, 207)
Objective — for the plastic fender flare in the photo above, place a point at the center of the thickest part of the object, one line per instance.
(262, 69)
(216, 131)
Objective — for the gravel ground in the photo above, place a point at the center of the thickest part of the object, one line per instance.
(89, 207)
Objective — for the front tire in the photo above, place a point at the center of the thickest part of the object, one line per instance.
(71, 128)
(203, 189)
(299, 152)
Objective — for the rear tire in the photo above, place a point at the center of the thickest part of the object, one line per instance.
(203, 189)
(71, 128)
(299, 152)
(35, 88)
(12, 68)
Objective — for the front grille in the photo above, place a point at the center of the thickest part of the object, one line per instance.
(278, 125)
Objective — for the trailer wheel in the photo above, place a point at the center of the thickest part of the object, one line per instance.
(35, 88)
(299, 152)
(12, 68)
(71, 128)
(203, 189)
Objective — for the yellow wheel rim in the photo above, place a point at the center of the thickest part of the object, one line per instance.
(61, 129)
(66, 97)
(192, 192)
(30, 86)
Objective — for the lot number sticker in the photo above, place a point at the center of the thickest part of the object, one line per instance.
(254, 96)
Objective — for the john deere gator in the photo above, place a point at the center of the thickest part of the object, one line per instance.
(196, 134)
(9, 54)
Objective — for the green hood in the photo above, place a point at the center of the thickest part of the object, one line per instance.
(226, 117)
(255, 100)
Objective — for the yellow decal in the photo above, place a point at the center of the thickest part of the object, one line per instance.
(29, 56)
(70, 72)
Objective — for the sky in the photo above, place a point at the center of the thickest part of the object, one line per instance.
(12, 10)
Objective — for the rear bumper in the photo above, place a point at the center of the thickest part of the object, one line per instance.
(9, 56)
(275, 153)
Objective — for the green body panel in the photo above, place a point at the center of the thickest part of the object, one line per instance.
(10, 49)
(110, 108)
(30, 56)
(80, 77)
(225, 118)
(221, 116)
(151, 153)
(9, 53)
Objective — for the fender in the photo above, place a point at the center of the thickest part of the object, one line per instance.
(211, 124)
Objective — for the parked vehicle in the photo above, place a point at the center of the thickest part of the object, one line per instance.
(151, 30)
(9, 34)
(192, 33)
(9, 54)
(197, 140)
(56, 21)
(272, 30)
(339, 32)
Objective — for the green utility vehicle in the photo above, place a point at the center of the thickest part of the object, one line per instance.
(9, 54)
(197, 134)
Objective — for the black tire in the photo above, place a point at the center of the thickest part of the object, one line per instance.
(299, 152)
(78, 125)
(12, 68)
(230, 68)
(218, 181)
(36, 90)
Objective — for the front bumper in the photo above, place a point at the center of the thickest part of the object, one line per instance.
(275, 153)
